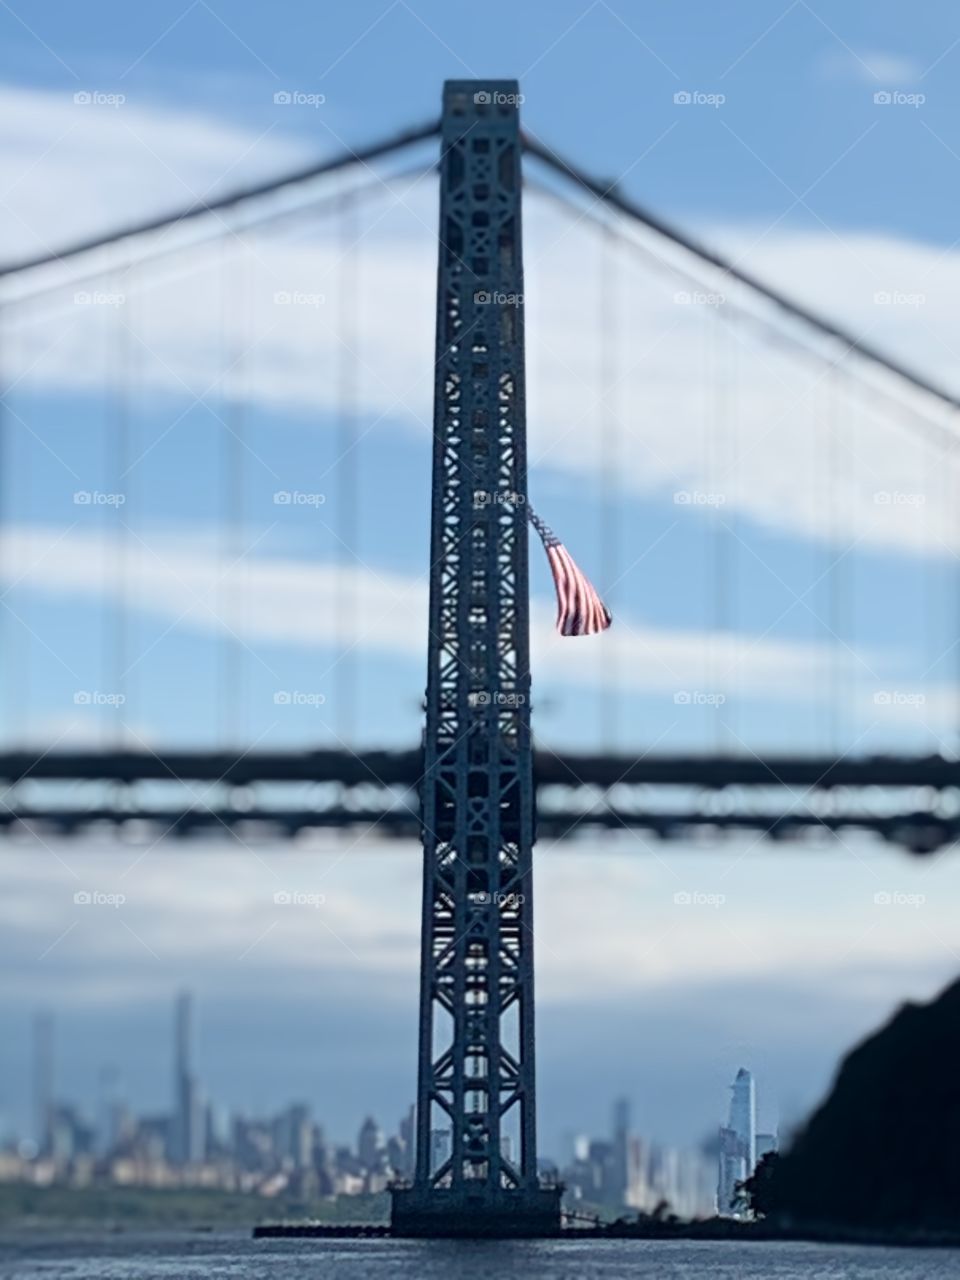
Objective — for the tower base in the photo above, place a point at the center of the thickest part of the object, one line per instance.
(443, 1211)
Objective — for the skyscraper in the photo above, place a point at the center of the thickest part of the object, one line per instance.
(108, 1106)
(408, 1136)
(620, 1158)
(370, 1143)
(743, 1115)
(43, 1080)
(188, 1137)
(738, 1142)
(766, 1142)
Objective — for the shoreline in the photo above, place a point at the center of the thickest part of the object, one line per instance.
(709, 1230)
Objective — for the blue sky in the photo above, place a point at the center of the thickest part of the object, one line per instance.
(801, 174)
(598, 79)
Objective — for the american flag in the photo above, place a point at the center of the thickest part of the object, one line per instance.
(580, 611)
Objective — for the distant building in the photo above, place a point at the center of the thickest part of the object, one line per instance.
(155, 1136)
(70, 1136)
(109, 1110)
(738, 1144)
(619, 1179)
(573, 1148)
(188, 1131)
(743, 1115)
(293, 1136)
(631, 1173)
(408, 1136)
(370, 1144)
(43, 1081)
(196, 1143)
(766, 1142)
(733, 1169)
(439, 1148)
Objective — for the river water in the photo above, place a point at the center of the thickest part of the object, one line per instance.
(234, 1256)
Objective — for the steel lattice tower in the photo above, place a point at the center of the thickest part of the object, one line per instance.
(476, 1082)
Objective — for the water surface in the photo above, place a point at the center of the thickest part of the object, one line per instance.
(40, 1255)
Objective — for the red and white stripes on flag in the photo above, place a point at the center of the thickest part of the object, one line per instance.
(580, 611)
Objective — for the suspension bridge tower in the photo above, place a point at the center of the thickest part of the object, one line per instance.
(476, 1156)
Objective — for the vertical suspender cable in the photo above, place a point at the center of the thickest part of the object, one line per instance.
(347, 523)
(822, 544)
(718, 586)
(954, 506)
(234, 302)
(12, 680)
(941, 538)
(609, 333)
(951, 530)
(19, 493)
(118, 467)
(935, 466)
(833, 547)
(708, 428)
(720, 469)
(223, 674)
(733, 523)
(836, 582)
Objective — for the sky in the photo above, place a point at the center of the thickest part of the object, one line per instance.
(750, 517)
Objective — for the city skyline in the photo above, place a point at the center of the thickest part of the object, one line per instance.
(192, 1107)
(197, 1142)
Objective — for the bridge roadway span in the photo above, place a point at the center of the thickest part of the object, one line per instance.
(912, 801)
(404, 768)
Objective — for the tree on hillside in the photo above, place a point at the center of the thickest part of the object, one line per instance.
(758, 1193)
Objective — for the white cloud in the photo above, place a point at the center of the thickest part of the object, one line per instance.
(73, 170)
(926, 706)
(871, 66)
(268, 599)
(617, 929)
(783, 442)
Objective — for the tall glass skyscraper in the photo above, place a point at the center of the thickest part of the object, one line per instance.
(738, 1142)
(743, 1116)
(188, 1137)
